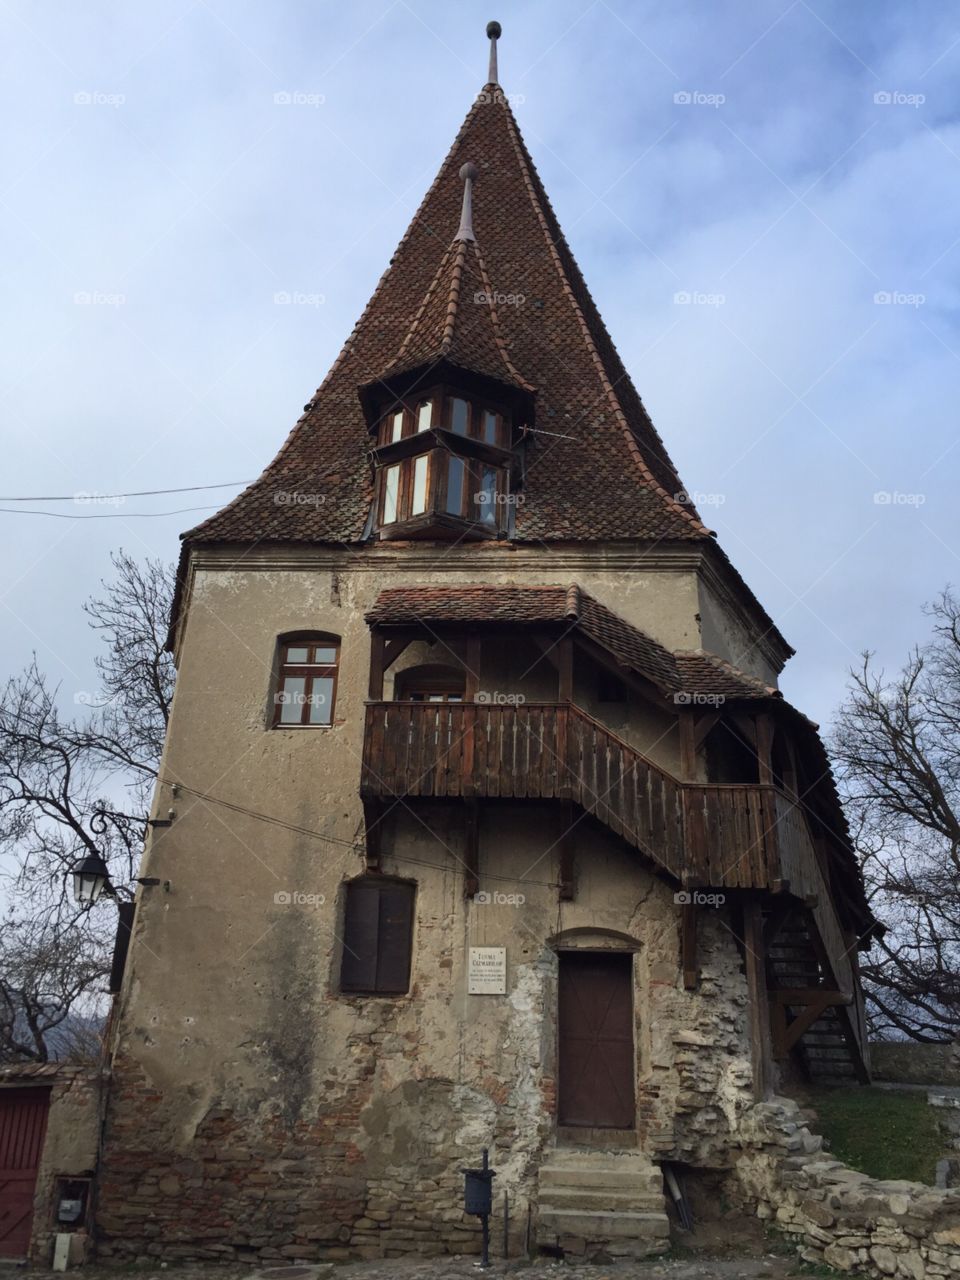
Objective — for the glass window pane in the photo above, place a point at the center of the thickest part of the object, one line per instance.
(490, 427)
(425, 415)
(396, 426)
(295, 656)
(454, 485)
(487, 495)
(321, 700)
(391, 494)
(326, 657)
(459, 416)
(419, 503)
(291, 698)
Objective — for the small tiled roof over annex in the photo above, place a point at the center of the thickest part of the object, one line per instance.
(693, 672)
(595, 471)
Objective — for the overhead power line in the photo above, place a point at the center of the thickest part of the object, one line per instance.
(83, 495)
(103, 515)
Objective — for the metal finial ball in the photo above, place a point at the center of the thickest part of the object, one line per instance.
(494, 30)
(468, 171)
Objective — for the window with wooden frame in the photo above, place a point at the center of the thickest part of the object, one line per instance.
(377, 936)
(471, 418)
(306, 693)
(442, 461)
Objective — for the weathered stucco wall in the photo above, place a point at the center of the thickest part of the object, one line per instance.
(255, 1111)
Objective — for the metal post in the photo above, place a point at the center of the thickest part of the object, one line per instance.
(485, 1222)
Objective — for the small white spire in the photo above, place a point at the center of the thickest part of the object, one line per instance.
(468, 173)
(493, 31)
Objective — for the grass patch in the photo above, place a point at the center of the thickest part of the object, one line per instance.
(881, 1132)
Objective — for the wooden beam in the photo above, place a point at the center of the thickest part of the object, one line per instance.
(565, 852)
(804, 1021)
(778, 1030)
(548, 647)
(765, 748)
(373, 813)
(565, 669)
(775, 922)
(472, 668)
(688, 745)
(688, 945)
(755, 964)
(378, 644)
(643, 688)
(394, 649)
(471, 849)
(704, 724)
(810, 995)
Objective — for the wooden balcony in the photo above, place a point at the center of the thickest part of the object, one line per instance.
(729, 836)
(707, 836)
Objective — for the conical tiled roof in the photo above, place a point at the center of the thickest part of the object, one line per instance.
(596, 470)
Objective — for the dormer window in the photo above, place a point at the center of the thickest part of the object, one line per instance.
(443, 466)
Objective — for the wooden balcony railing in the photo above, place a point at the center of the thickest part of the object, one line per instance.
(738, 836)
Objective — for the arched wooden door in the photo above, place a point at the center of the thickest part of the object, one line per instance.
(23, 1123)
(596, 1054)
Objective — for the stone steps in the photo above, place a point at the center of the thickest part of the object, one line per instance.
(599, 1227)
(602, 1200)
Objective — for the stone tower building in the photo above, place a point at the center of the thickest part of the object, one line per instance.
(481, 820)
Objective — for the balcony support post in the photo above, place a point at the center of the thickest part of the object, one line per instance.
(378, 646)
(471, 849)
(472, 669)
(565, 661)
(688, 946)
(565, 847)
(756, 970)
(765, 748)
(688, 745)
(373, 812)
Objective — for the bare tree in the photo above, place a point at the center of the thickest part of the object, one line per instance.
(72, 786)
(47, 978)
(897, 743)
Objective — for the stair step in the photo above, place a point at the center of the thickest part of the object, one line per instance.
(607, 1199)
(590, 1158)
(593, 1225)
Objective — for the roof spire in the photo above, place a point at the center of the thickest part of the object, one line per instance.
(465, 231)
(493, 31)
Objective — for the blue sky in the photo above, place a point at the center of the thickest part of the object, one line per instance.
(781, 163)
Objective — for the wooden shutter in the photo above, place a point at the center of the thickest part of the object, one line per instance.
(377, 937)
(396, 937)
(126, 911)
(358, 972)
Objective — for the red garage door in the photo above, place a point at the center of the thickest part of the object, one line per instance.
(23, 1121)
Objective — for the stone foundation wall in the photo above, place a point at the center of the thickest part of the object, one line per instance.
(837, 1216)
(910, 1063)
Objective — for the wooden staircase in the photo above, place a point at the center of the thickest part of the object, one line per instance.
(821, 1029)
(748, 836)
